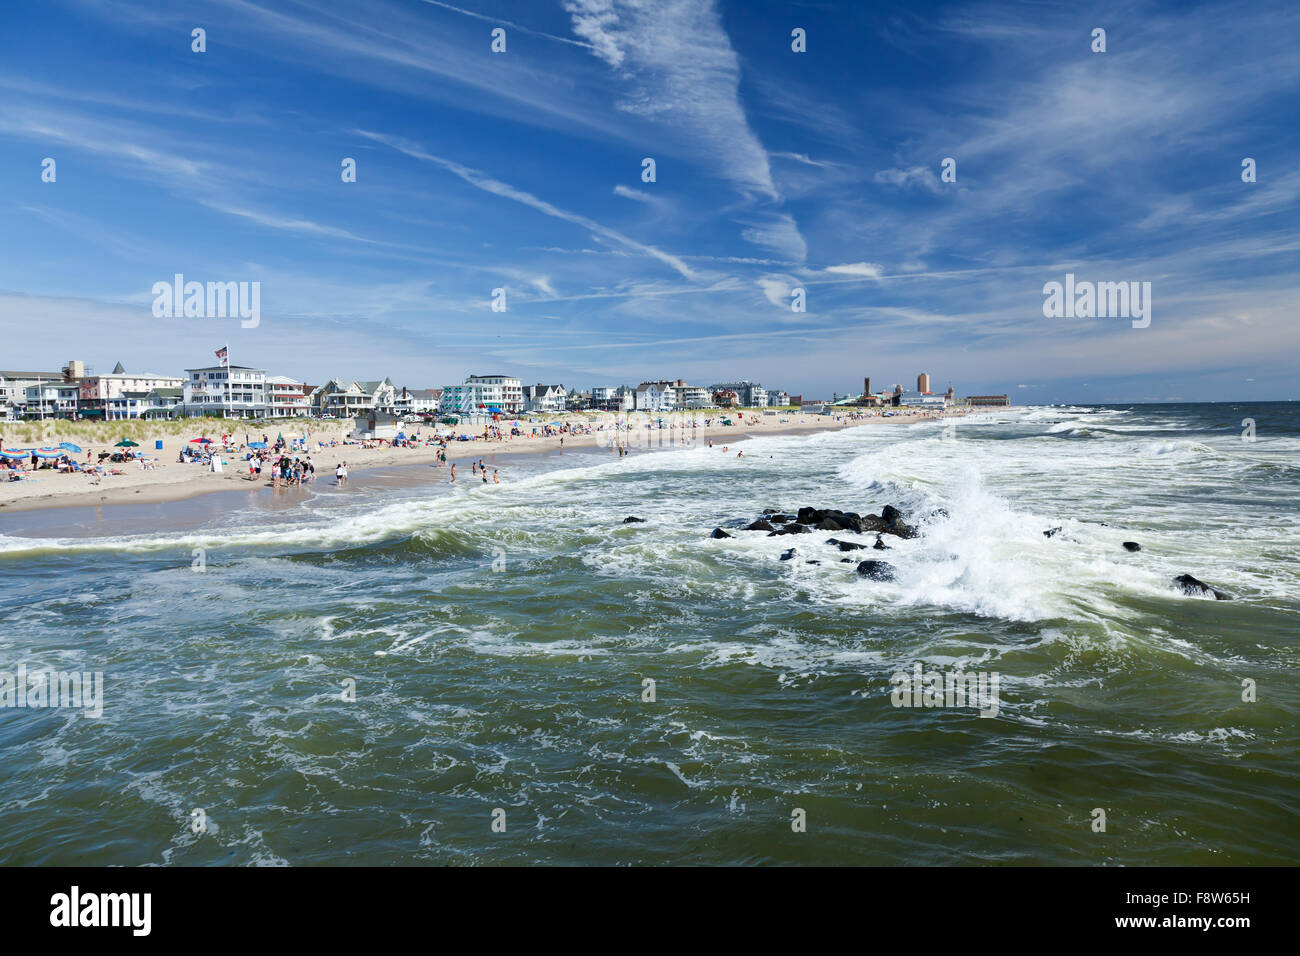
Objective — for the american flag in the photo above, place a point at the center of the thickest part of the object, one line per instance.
(223, 351)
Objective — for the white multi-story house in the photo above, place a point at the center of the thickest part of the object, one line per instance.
(500, 391)
(418, 401)
(98, 391)
(777, 399)
(234, 391)
(647, 398)
(545, 398)
(286, 397)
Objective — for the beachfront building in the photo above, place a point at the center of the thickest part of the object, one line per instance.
(13, 390)
(155, 403)
(612, 398)
(545, 398)
(50, 400)
(692, 396)
(418, 401)
(234, 391)
(577, 401)
(920, 401)
(777, 399)
(748, 394)
(349, 398)
(97, 392)
(987, 401)
(923, 383)
(286, 397)
(501, 392)
(648, 397)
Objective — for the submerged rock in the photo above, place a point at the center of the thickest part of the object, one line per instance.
(1132, 546)
(759, 525)
(890, 514)
(719, 533)
(1051, 532)
(634, 520)
(791, 529)
(877, 570)
(880, 545)
(1190, 585)
(788, 555)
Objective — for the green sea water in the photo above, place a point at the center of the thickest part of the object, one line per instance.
(498, 641)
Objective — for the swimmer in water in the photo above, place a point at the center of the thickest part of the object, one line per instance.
(453, 474)
(496, 478)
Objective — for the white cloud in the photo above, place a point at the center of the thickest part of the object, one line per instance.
(867, 270)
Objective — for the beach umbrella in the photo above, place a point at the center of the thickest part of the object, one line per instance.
(68, 446)
(127, 443)
(193, 441)
(15, 453)
(257, 444)
(48, 453)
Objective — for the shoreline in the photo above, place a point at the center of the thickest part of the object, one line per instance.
(176, 482)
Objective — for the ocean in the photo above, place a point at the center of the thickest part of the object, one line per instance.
(416, 673)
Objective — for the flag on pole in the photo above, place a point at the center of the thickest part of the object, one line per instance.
(223, 351)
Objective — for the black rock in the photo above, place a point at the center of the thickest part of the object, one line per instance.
(846, 560)
(1051, 532)
(901, 530)
(1189, 585)
(759, 526)
(787, 555)
(808, 516)
(779, 518)
(634, 520)
(880, 545)
(1132, 546)
(889, 513)
(846, 545)
(876, 570)
(791, 529)
(812, 562)
(939, 513)
(719, 533)
(830, 523)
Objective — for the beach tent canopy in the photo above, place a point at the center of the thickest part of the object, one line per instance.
(68, 446)
(257, 444)
(127, 443)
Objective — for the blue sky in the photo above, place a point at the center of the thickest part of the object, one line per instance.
(478, 170)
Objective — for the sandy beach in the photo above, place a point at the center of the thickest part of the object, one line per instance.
(173, 481)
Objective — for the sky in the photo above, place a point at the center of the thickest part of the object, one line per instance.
(774, 170)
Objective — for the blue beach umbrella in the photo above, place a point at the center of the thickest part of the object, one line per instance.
(401, 436)
(68, 446)
(257, 444)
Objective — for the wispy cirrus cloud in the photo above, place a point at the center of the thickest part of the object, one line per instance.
(488, 184)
